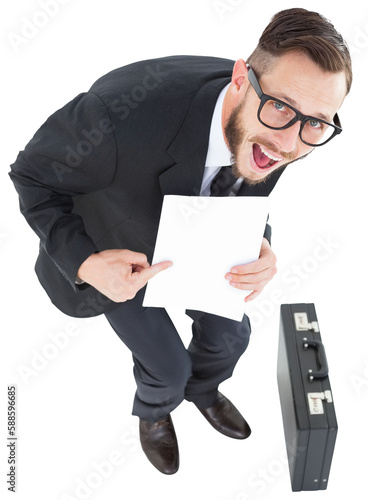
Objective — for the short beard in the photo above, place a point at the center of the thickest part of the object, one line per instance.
(235, 135)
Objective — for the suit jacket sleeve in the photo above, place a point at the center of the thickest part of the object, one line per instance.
(73, 153)
(267, 233)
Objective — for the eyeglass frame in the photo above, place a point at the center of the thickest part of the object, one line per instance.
(298, 115)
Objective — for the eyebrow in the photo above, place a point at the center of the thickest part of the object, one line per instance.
(293, 103)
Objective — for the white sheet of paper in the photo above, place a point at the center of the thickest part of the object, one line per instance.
(205, 237)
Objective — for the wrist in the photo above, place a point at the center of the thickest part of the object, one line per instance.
(82, 273)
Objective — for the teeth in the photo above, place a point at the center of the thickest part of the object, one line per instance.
(269, 155)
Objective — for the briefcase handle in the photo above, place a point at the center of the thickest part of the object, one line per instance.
(322, 359)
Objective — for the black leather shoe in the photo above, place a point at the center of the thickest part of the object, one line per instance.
(225, 418)
(159, 443)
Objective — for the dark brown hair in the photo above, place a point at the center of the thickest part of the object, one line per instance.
(306, 31)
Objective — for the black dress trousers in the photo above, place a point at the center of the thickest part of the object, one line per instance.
(166, 372)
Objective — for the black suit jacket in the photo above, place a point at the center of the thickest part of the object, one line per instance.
(94, 175)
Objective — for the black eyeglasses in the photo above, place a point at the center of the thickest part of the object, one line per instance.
(276, 114)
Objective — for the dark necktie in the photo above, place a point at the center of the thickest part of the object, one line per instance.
(223, 182)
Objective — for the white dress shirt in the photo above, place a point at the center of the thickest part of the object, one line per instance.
(218, 154)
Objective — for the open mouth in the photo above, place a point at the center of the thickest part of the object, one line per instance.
(263, 158)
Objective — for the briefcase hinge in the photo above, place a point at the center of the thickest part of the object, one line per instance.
(315, 401)
(303, 325)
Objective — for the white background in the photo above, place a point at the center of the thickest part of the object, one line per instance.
(74, 377)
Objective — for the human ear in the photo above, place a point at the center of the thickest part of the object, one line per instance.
(240, 74)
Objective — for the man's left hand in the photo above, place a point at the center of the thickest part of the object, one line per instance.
(255, 275)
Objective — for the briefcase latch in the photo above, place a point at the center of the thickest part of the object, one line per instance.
(303, 325)
(315, 401)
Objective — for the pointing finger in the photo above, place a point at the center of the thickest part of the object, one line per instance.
(149, 272)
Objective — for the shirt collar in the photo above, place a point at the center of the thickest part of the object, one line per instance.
(218, 153)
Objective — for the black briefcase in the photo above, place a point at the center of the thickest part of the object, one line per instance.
(308, 412)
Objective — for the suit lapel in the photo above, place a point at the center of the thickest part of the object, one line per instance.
(189, 148)
(262, 188)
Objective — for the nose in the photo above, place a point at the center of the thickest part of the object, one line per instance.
(288, 138)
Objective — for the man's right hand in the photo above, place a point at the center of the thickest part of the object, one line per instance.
(119, 274)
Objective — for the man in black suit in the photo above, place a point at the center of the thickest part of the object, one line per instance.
(91, 184)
